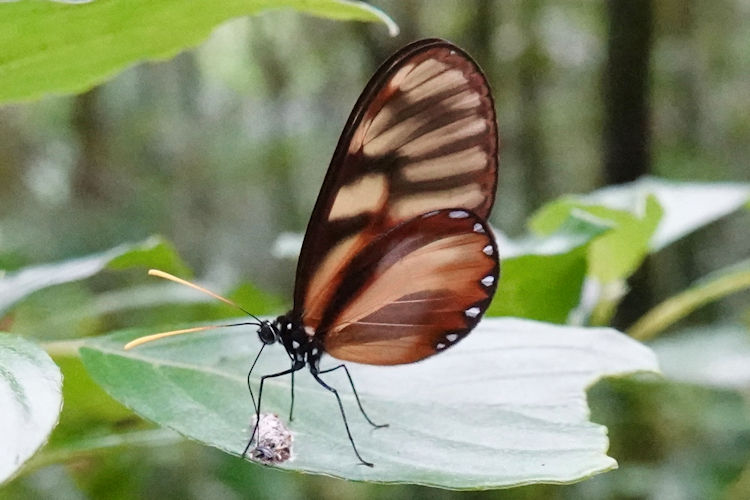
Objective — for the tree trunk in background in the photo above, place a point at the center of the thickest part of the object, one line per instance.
(480, 37)
(676, 267)
(531, 72)
(627, 138)
(627, 133)
(89, 177)
(15, 153)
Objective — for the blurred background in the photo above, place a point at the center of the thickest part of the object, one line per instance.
(223, 148)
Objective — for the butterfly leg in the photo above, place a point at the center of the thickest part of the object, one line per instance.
(296, 366)
(291, 405)
(252, 396)
(356, 396)
(250, 372)
(343, 415)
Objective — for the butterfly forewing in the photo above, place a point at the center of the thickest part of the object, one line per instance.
(422, 137)
(413, 291)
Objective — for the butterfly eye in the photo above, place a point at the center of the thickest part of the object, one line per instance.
(266, 333)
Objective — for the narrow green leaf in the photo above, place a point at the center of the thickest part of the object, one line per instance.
(19, 284)
(505, 407)
(713, 287)
(52, 47)
(30, 399)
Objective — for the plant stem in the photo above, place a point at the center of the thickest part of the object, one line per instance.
(711, 288)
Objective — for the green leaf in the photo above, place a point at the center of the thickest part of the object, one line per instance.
(541, 287)
(687, 206)
(618, 253)
(19, 284)
(52, 47)
(541, 277)
(30, 398)
(716, 356)
(91, 420)
(505, 407)
(155, 252)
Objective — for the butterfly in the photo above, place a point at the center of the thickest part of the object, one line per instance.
(398, 262)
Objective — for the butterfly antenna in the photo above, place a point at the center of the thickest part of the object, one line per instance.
(171, 277)
(150, 338)
(156, 336)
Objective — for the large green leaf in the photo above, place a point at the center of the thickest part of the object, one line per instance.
(30, 399)
(505, 407)
(152, 252)
(53, 47)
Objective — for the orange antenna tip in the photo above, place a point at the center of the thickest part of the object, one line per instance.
(171, 277)
(156, 336)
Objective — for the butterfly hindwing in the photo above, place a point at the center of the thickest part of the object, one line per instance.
(413, 291)
(422, 137)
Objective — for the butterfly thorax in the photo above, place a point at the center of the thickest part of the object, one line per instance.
(301, 347)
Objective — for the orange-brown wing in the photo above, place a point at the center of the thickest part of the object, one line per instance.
(414, 291)
(421, 137)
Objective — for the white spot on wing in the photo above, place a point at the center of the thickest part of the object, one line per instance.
(478, 228)
(487, 250)
(458, 214)
(472, 312)
(488, 280)
(440, 345)
(451, 337)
